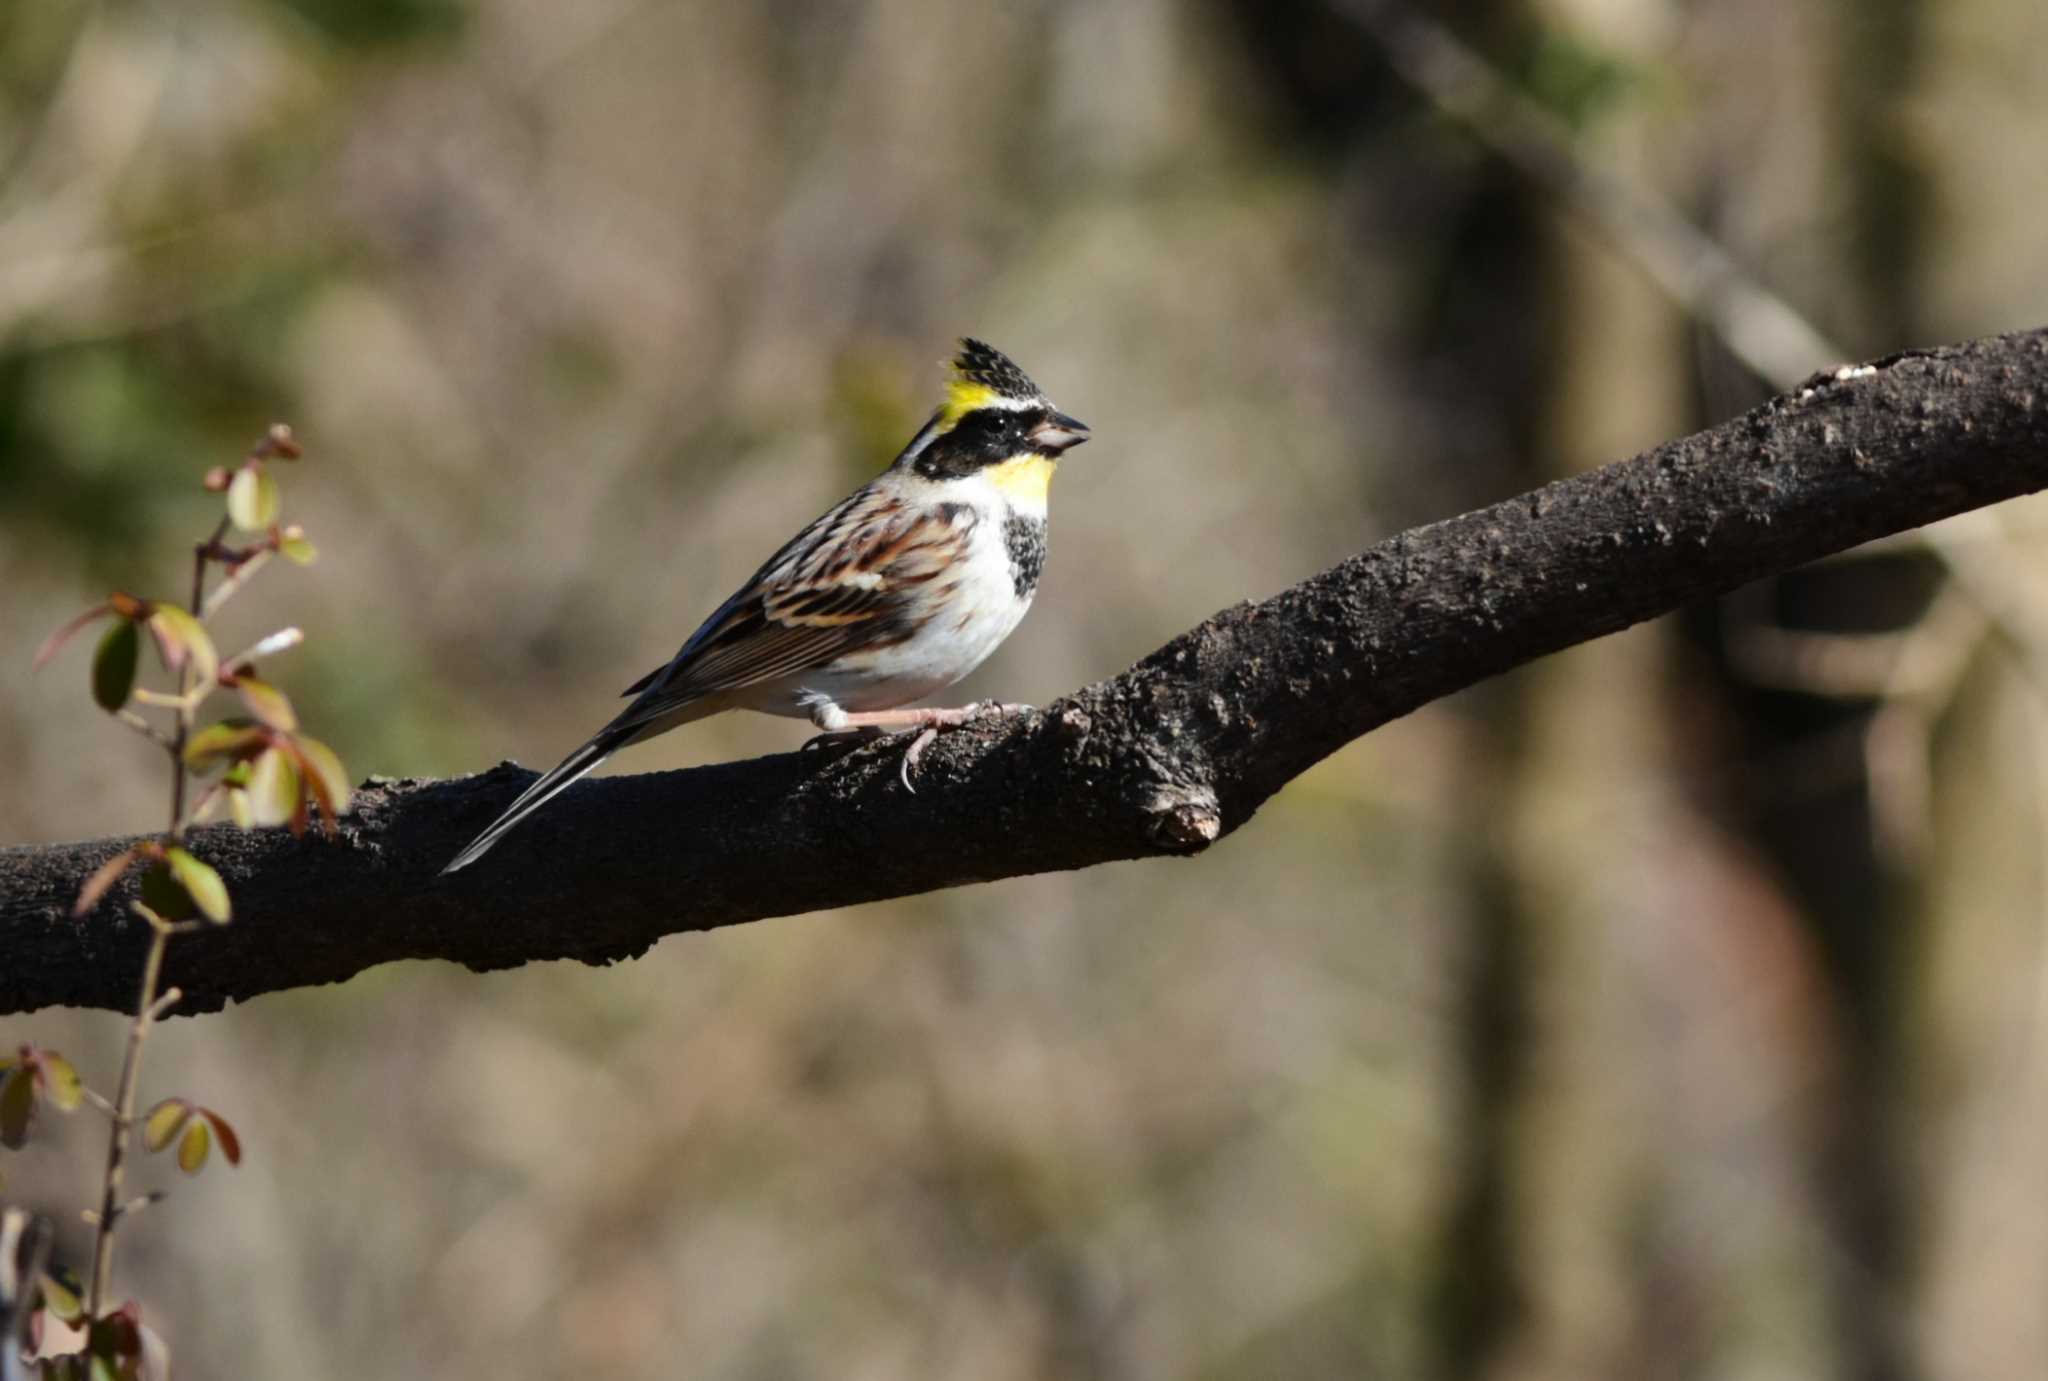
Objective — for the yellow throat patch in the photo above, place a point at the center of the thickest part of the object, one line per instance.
(1023, 479)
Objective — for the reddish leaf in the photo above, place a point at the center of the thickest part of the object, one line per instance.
(129, 607)
(115, 1339)
(325, 775)
(113, 666)
(55, 642)
(201, 883)
(102, 881)
(229, 739)
(230, 1144)
(266, 702)
(216, 480)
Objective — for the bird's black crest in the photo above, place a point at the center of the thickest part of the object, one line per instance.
(981, 363)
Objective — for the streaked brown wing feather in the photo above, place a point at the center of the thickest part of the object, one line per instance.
(850, 581)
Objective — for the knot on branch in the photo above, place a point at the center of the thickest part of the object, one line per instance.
(1182, 819)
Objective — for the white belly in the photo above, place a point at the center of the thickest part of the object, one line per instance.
(982, 610)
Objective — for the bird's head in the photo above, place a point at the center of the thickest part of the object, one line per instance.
(994, 421)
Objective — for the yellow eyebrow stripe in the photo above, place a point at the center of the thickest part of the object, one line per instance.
(962, 397)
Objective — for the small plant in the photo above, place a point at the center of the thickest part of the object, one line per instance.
(264, 771)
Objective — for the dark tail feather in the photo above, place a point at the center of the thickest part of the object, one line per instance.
(583, 760)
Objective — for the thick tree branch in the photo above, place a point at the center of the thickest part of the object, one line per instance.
(1165, 758)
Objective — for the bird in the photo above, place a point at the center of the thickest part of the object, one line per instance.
(889, 596)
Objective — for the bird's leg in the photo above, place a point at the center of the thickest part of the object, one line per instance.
(839, 724)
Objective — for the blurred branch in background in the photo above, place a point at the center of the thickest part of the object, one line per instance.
(1759, 327)
(1895, 671)
(1165, 758)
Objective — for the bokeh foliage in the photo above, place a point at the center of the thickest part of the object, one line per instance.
(1513, 1040)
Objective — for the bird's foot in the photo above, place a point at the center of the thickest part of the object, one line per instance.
(947, 719)
(842, 727)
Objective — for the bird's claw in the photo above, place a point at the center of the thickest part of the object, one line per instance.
(980, 709)
(913, 753)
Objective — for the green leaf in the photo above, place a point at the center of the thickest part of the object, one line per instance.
(231, 738)
(180, 636)
(239, 809)
(273, 787)
(61, 1082)
(63, 1302)
(266, 702)
(208, 892)
(163, 1122)
(230, 1144)
(193, 1146)
(252, 499)
(325, 774)
(165, 895)
(298, 551)
(17, 1104)
(113, 666)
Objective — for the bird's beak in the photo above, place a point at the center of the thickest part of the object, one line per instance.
(1059, 432)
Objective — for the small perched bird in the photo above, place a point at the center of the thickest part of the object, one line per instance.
(894, 593)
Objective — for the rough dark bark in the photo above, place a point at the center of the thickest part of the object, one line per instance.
(1165, 758)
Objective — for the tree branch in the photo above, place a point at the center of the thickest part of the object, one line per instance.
(1165, 758)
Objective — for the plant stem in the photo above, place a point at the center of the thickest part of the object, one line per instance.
(124, 1123)
(148, 1004)
(199, 555)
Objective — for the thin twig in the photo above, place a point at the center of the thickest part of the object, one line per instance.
(1759, 327)
(124, 1123)
(143, 727)
(283, 640)
(198, 606)
(237, 576)
(149, 1005)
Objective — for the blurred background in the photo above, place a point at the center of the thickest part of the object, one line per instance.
(1671, 1008)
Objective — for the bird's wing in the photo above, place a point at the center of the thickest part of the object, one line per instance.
(867, 574)
(859, 577)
